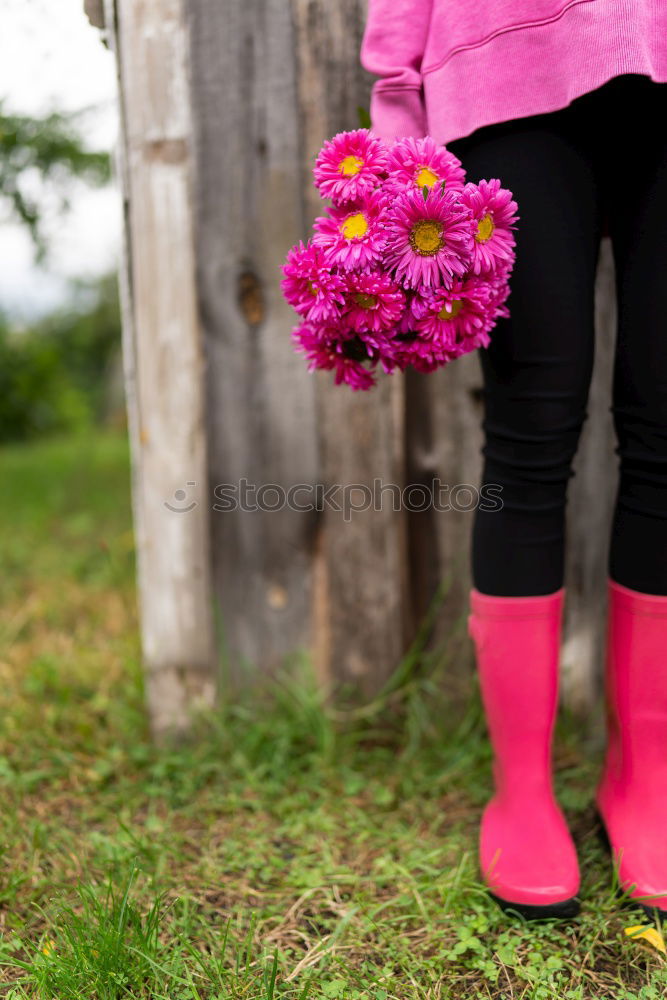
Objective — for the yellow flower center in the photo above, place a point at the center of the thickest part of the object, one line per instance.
(351, 165)
(426, 177)
(366, 301)
(426, 237)
(312, 288)
(354, 226)
(485, 229)
(451, 310)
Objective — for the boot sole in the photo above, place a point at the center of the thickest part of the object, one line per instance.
(531, 911)
(625, 901)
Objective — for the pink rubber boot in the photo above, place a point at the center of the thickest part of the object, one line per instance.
(632, 794)
(526, 853)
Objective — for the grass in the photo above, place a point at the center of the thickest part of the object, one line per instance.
(286, 851)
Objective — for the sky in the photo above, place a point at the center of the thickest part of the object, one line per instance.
(52, 59)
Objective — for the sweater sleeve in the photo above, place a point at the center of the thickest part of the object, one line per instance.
(392, 48)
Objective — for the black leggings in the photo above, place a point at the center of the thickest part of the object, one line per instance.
(598, 165)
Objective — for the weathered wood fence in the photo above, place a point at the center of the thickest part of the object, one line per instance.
(223, 107)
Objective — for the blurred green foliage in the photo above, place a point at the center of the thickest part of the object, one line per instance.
(51, 150)
(58, 373)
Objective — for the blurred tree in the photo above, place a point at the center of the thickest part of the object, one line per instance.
(55, 375)
(51, 149)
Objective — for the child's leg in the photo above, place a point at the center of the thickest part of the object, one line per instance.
(537, 372)
(632, 793)
(637, 199)
(538, 366)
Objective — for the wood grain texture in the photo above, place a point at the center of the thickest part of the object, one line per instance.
(261, 407)
(270, 82)
(164, 363)
(443, 442)
(589, 511)
(94, 11)
(362, 602)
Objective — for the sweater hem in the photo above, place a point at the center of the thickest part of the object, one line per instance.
(469, 91)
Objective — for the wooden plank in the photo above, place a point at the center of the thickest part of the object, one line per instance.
(94, 11)
(443, 442)
(164, 363)
(261, 415)
(590, 510)
(363, 606)
(285, 579)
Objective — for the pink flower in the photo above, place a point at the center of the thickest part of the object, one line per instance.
(429, 363)
(325, 348)
(422, 163)
(350, 165)
(493, 213)
(416, 353)
(310, 286)
(452, 314)
(374, 302)
(429, 239)
(499, 288)
(353, 235)
(499, 295)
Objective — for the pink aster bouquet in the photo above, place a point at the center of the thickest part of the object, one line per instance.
(410, 265)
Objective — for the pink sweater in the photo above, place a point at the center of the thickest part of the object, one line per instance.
(447, 67)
